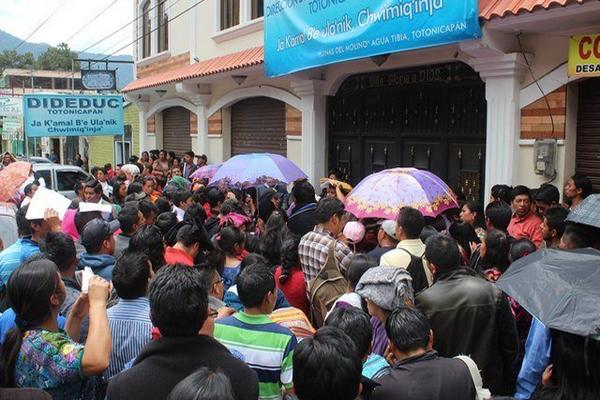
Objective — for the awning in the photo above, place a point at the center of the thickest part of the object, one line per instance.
(490, 9)
(212, 66)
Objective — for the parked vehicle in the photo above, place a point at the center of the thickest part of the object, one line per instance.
(35, 160)
(60, 178)
(8, 224)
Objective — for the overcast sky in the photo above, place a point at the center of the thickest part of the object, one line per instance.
(21, 17)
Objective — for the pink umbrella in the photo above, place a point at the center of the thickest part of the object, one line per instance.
(12, 177)
(381, 195)
(205, 172)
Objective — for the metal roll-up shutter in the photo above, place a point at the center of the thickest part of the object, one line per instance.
(176, 130)
(588, 131)
(258, 125)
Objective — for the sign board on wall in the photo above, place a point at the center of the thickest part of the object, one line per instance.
(303, 34)
(72, 115)
(12, 128)
(11, 106)
(584, 55)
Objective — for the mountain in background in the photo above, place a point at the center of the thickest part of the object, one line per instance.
(124, 71)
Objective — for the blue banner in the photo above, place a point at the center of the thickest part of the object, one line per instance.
(303, 34)
(48, 115)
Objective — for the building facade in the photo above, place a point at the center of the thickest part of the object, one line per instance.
(468, 111)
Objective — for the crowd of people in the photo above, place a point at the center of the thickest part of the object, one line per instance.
(209, 292)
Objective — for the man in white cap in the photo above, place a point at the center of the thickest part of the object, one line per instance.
(386, 239)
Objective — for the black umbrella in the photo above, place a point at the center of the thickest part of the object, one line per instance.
(560, 288)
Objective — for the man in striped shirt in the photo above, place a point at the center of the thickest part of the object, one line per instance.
(129, 319)
(253, 337)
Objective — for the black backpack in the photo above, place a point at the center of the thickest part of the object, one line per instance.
(416, 269)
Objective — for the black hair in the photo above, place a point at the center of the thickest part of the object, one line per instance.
(547, 194)
(166, 221)
(148, 240)
(303, 192)
(520, 190)
(411, 221)
(239, 195)
(521, 248)
(95, 170)
(28, 188)
(199, 195)
(253, 283)
(575, 366)
(195, 212)
(77, 187)
(128, 217)
(117, 199)
(327, 208)
(477, 208)
(502, 193)
(134, 188)
(178, 301)
(29, 289)
(555, 219)
(23, 224)
(251, 259)
(94, 184)
(163, 205)
(327, 366)
(203, 384)
(147, 208)
(273, 237)
(82, 218)
(215, 197)
(442, 251)
(265, 204)
(131, 274)
(189, 234)
(191, 154)
(224, 244)
(497, 250)
(107, 166)
(584, 183)
(231, 205)
(408, 329)
(579, 236)
(359, 264)
(59, 248)
(464, 234)
(499, 213)
(289, 257)
(356, 324)
(181, 196)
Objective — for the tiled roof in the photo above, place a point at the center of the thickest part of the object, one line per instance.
(226, 63)
(489, 9)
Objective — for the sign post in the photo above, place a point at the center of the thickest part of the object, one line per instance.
(300, 35)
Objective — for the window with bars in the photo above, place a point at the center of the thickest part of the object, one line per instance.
(146, 31)
(163, 27)
(230, 13)
(258, 8)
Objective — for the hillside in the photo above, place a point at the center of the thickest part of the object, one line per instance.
(124, 71)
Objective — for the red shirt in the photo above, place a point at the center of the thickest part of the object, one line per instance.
(527, 227)
(294, 289)
(174, 256)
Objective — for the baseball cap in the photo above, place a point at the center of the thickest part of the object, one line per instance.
(389, 227)
(96, 231)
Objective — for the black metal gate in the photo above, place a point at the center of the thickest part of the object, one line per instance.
(431, 117)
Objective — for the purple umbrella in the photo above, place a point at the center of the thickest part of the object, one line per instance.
(247, 170)
(205, 172)
(381, 195)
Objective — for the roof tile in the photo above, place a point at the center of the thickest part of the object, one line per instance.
(489, 9)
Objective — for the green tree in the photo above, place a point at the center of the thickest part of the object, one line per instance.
(11, 59)
(57, 58)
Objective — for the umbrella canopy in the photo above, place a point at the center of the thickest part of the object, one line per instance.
(205, 172)
(588, 212)
(12, 177)
(381, 195)
(247, 170)
(558, 287)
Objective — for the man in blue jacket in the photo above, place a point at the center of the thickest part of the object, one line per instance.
(99, 243)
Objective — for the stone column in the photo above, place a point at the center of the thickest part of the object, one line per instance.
(314, 128)
(502, 75)
(202, 102)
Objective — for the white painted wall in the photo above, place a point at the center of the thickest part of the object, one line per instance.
(294, 149)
